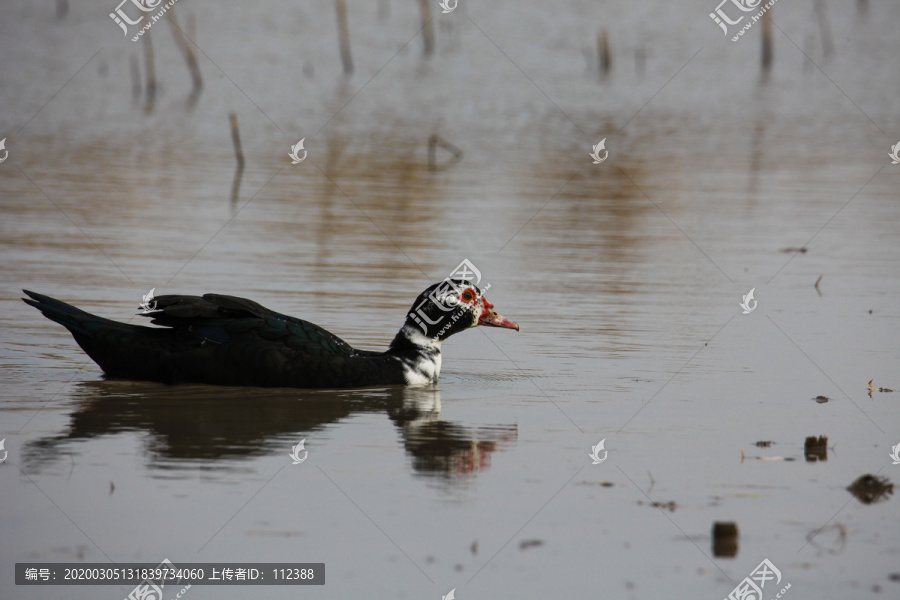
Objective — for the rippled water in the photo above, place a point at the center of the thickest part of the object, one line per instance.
(625, 278)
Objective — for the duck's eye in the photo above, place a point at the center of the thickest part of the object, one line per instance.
(468, 296)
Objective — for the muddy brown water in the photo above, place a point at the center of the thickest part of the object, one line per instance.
(625, 277)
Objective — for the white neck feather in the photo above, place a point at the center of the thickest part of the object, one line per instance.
(426, 366)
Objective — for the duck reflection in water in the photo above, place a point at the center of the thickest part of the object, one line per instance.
(208, 423)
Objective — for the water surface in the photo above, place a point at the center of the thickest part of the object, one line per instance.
(625, 278)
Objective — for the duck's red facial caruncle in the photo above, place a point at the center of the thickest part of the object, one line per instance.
(489, 316)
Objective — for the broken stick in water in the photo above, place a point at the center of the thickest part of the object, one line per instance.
(603, 56)
(427, 27)
(344, 35)
(767, 48)
(239, 156)
(236, 139)
(150, 86)
(433, 142)
(187, 52)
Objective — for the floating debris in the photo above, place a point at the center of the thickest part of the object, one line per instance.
(671, 505)
(870, 489)
(872, 388)
(821, 399)
(838, 544)
(526, 544)
(817, 284)
(436, 141)
(785, 458)
(794, 249)
(816, 448)
(763, 443)
(725, 538)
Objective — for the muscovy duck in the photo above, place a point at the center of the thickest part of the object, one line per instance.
(226, 340)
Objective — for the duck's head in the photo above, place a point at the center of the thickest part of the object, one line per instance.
(451, 306)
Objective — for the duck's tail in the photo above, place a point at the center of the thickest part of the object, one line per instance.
(74, 319)
(109, 343)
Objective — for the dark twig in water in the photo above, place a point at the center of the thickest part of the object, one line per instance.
(603, 56)
(824, 27)
(427, 27)
(428, 35)
(236, 139)
(189, 57)
(344, 35)
(190, 26)
(150, 86)
(652, 482)
(433, 142)
(767, 47)
(817, 284)
(136, 87)
(238, 155)
(526, 544)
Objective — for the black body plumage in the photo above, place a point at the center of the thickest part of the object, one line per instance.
(226, 340)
